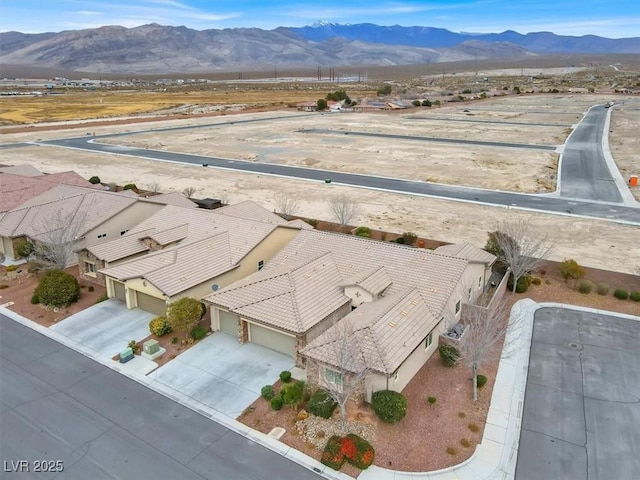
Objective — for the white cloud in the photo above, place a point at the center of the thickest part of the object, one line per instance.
(87, 12)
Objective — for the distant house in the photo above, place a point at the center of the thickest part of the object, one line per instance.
(307, 106)
(180, 252)
(399, 300)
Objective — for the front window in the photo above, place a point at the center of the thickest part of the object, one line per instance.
(90, 268)
(260, 264)
(458, 306)
(333, 377)
(428, 340)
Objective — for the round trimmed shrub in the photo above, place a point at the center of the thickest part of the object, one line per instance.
(276, 402)
(481, 380)
(159, 326)
(635, 296)
(267, 392)
(522, 286)
(536, 281)
(58, 289)
(285, 376)
(585, 286)
(621, 294)
(292, 392)
(130, 186)
(431, 400)
(390, 406)
(448, 354)
(94, 180)
(198, 332)
(602, 289)
(321, 404)
(35, 299)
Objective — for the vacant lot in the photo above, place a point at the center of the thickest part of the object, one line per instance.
(625, 141)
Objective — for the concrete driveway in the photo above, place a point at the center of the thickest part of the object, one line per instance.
(107, 327)
(581, 409)
(223, 374)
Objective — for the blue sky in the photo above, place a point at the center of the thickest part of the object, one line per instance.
(613, 18)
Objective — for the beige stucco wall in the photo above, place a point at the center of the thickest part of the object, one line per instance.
(6, 247)
(124, 220)
(358, 295)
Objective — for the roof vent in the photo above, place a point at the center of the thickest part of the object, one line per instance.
(215, 287)
(414, 302)
(403, 313)
(392, 324)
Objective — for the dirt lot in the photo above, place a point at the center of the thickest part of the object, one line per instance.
(625, 141)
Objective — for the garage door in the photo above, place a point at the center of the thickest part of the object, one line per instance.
(271, 339)
(118, 291)
(151, 304)
(229, 323)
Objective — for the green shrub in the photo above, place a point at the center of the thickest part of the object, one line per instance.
(409, 238)
(159, 326)
(585, 286)
(267, 392)
(313, 222)
(102, 298)
(58, 288)
(91, 288)
(3, 286)
(363, 232)
(523, 283)
(431, 400)
(536, 281)
(602, 289)
(35, 300)
(198, 332)
(321, 404)
(130, 186)
(292, 392)
(621, 294)
(174, 340)
(389, 406)
(570, 269)
(94, 180)
(416, 103)
(400, 240)
(133, 345)
(635, 296)
(426, 103)
(448, 354)
(12, 268)
(24, 248)
(481, 380)
(285, 376)
(276, 402)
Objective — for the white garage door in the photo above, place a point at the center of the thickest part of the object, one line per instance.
(151, 304)
(271, 339)
(229, 323)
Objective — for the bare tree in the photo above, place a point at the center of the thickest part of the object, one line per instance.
(189, 192)
(347, 368)
(484, 332)
(343, 209)
(520, 248)
(154, 187)
(56, 236)
(286, 205)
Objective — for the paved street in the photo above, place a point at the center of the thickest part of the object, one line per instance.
(585, 179)
(56, 404)
(581, 408)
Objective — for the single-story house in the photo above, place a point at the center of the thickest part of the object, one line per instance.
(185, 252)
(399, 300)
(79, 216)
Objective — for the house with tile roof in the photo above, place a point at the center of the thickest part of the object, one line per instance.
(84, 216)
(185, 252)
(397, 299)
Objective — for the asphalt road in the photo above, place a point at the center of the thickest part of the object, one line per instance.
(582, 401)
(57, 405)
(543, 203)
(583, 170)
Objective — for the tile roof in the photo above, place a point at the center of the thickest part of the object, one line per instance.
(385, 332)
(181, 267)
(209, 245)
(468, 252)
(285, 296)
(16, 190)
(337, 259)
(46, 214)
(22, 170)
(251, 211)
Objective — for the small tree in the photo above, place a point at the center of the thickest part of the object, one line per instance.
(321, 105)
(189, 191)
(286, 205)
(484, 331)
(184, 314)
(426, 103)
(569, 269)
(520, 249)
(343, 209)
(94, 180)
(347, 369)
